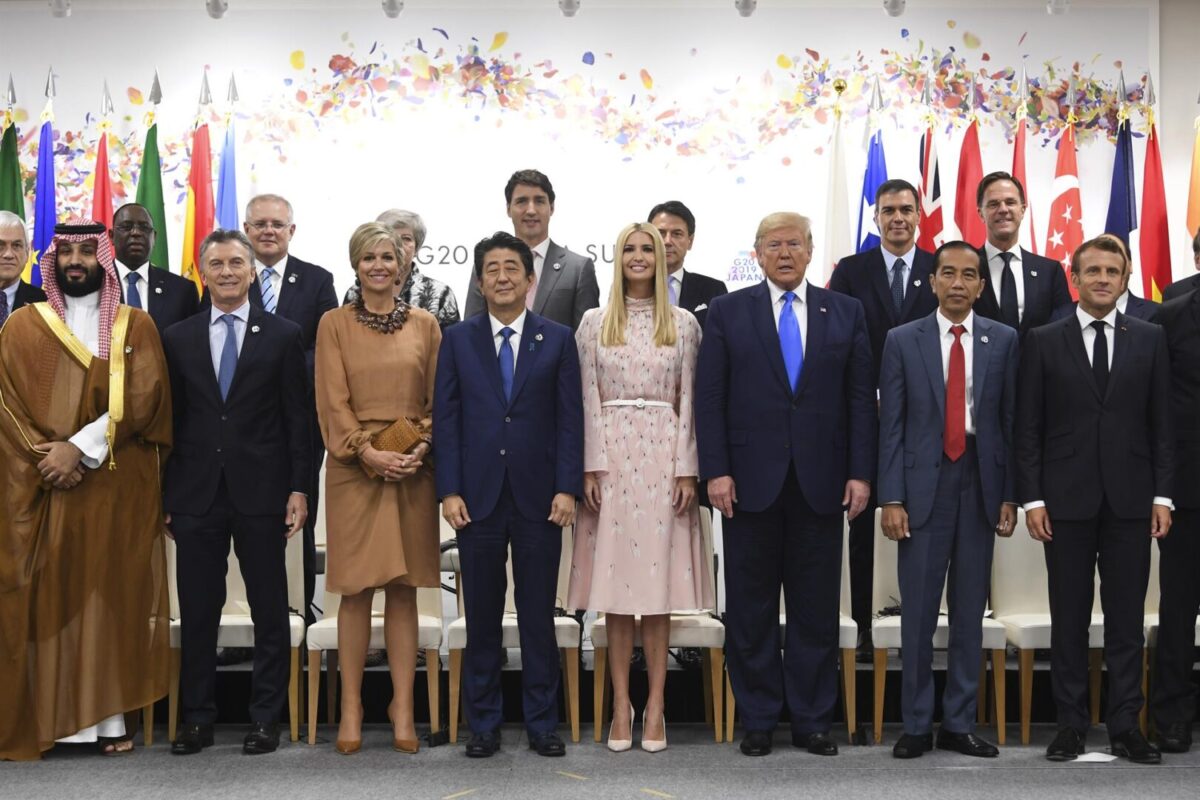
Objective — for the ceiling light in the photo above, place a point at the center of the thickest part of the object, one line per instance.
(745, 7)
(392, 8)
(60, 8)
(216, 8)
(1057, 6)
(569, 8)
(894, 8)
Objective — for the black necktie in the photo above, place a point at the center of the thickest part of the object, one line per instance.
(3, 306)
(1100, 357)
(898, 285)
(1008, 294)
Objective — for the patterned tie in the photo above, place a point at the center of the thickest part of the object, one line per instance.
(267, 279)
(898, 285)
(954, 438)
(132, 296)
(3, 307)
(790, 341)
(506, 362)
(1100, 357)
(1008, 294)
(672, 292)
(229, 356)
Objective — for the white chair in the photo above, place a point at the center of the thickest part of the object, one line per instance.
(847, 643)
(566, 635)
(237, 629)
(885, 632)
(702, 630)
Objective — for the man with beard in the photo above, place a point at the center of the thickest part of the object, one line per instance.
(165, 296)
(86, 423)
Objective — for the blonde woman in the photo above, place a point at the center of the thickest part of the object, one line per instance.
(637, 540)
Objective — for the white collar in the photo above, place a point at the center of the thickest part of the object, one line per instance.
(517, 325)
(242, 312)
(800, 291)
(542, 248)
(1086, 319)
(944, 324)
(85, 303)
(141, 271)
(279, 266)
(889, 259)
(992, 251)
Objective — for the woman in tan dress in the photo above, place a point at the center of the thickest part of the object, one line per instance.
(375, 363)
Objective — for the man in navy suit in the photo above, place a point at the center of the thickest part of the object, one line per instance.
(168, 298)
(1022, 290)
(1181, 287)
(689, 290)
(1128, 303)
(786, 429)
(892, 283)
(508, 433)
(947, 398)
(239, 470)
(14, 254)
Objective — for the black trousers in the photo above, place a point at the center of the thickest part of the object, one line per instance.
(310, 526)
(1121, 549)
(788, 545)
(1174, 695)
(862, 566)
(202, 544)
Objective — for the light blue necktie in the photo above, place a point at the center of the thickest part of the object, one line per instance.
(267, 279)
(132, 296)
(229, 356)
(790, 341)
(671, 291)
(506, 362)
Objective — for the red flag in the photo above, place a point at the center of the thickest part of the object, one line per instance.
(1155, 247)
(102, 206)
(1026, 237)
(930, 227)
(970, 173)
(1064, 231)
(198, 222)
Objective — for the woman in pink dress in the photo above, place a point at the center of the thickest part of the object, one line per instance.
(637, 539)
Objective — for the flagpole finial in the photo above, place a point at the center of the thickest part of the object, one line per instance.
(12, 92)
(927, 91)
(106, 103)
(232, 95)
(1071, 91)
(876, 97)
(156, 89)
(205, 93)
(1122, 91)
(1024, 90)
(969, 96)
(1151, 97)
(51, 86)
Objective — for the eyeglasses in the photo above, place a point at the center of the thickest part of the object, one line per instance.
(269, 224)
(130, 227)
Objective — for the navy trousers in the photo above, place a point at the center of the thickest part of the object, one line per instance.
(1174, 696)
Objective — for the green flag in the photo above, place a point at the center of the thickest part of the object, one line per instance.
(150, 195)
(12, 194)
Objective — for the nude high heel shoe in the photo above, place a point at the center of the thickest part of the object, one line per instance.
(621, 745)
(654, 745)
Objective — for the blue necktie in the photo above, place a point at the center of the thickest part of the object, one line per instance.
(132, 296)
(267, 279)
(898, 285)
(506, 362)
(229, 356)
(671, 291)
(3, 307)
(790, 341)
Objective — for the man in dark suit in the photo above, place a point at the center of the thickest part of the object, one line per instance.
(690, 290)
(14, 254)
(240, 469)
(786, 429)
(168, 298)
(1128, 303)
(1094, 473)
(1173, 700)
(1023, 290)
(508, 423)
(892, 283)
(564, 282)
(1189, 284)
(947, 399)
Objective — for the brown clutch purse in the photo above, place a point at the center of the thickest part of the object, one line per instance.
(399, 437)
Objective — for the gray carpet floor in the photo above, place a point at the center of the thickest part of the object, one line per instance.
(693, 767)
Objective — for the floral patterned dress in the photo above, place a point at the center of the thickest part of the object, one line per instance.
(637, 556)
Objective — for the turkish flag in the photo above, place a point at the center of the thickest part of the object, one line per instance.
(1064, 230)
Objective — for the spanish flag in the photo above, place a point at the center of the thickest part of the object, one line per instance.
(200, 211)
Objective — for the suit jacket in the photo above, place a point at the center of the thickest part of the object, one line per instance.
(259, 439)
(27, 294)
(1180, 319)
(751, 426)
(1074, 447)
(864, 276)
(912, 415)
(697, 292)
(173, 298)
(1135, 307)
(536, 439)
(1181, 287)
(1045, 291)
(567, 288)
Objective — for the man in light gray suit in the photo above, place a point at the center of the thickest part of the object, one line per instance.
(947, 401)
(565, 282)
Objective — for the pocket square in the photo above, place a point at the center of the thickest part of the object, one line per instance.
(700, 307)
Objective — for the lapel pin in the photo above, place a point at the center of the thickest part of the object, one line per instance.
(1033, 273)
(557, 266)
(254, 329)
(917, 282)
(158, 290)
(983, 339)
(291, 278)
(537, 338)
(128, 349)
(823, 311)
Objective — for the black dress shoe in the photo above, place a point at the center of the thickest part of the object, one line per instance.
(548, 744)
(966, 743)
(819, 744)
(483, 745)
(911, 745)
(1133, 745)
(1175, 738)
(1067, 746)
(756, 743)
(191, 739)
(263, 738)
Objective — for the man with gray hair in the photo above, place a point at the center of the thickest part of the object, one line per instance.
(14, 254)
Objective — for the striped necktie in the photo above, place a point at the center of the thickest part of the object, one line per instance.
(267, 279)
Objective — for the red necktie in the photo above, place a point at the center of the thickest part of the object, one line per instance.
(954, 438)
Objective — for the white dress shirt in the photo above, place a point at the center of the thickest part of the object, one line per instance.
(889, 261)
(83, 318)
(996, 271)
(1123, 301)
(217, 331)
(514, 340)
(539, 259)
(946, 339)
(799, 308)
(143, 284)
(277, 281)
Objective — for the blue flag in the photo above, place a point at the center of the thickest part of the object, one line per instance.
(45, 206)
(227, 204)
(876, 174)
(1122, 200)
